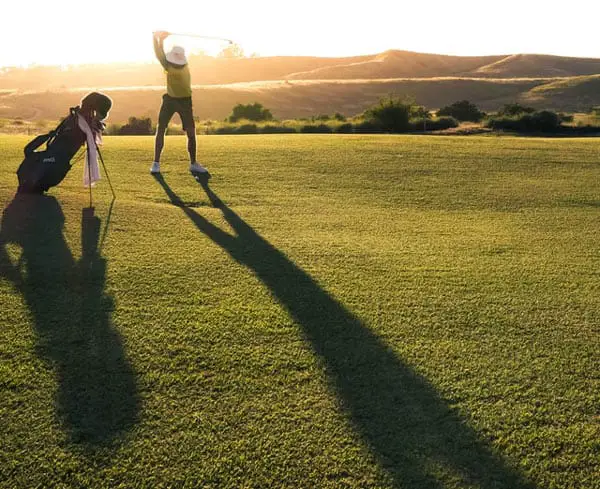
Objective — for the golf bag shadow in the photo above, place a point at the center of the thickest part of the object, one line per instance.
(43, 169)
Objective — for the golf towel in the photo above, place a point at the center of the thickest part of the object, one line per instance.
(91, 170)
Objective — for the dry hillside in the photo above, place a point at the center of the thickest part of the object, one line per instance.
(396, 64)
(390, 64)
(307, 86)
(286, 99)
(535, 65)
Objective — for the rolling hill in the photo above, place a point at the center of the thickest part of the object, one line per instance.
(287, 99)
(397, 64)
(306, 86)
(562, 94)
(532, 65)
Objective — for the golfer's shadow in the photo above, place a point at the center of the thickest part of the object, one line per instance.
(96, 398)
(397, 412)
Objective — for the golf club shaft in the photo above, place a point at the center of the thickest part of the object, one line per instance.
(201, 37)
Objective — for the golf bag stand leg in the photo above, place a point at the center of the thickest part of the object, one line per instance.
(106, 172)
(89, 176)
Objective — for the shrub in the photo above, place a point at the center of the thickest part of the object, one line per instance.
(391, 115)
(174, 131)
(312, 129)
(346, 128)
(225, 130)
(112, 129)
(542, 121)
(583, 129)
(252, 112)
(505, 123)
(420, 125)
(137, 127)
(445, 122)
(438, 124)
(565, 117)
(269, 129)
(462, 110)
(546, 120)
(515, 109)
(419, 112)
(339, 117)
(368, 127)
(246, 129)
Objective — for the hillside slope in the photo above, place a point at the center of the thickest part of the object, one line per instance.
(289, 99)
(394, 64)
(527, 65)
(306, 86)
(390, 64)
(575, 93)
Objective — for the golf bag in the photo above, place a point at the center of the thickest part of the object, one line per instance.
(43, 169)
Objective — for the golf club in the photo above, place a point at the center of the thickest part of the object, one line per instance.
(201, 37)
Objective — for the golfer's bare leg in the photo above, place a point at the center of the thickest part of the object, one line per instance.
(191, 143)
(159, 141)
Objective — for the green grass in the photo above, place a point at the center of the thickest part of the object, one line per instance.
(334, 311)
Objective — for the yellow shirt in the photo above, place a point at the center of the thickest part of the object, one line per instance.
(179, 81)
(179, 84)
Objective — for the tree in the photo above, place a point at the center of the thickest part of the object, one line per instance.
(231, 51)
(135, 126)
(462, 110)
(419, 112)
(545, 121)
(251, 112)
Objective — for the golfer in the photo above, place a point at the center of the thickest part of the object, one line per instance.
(177, 99)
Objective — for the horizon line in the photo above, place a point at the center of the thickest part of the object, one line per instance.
(151, 60)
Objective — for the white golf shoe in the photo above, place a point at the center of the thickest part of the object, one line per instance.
(155, 168)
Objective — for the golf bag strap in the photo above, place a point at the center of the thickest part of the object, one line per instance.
(37, 142)
(71, 117)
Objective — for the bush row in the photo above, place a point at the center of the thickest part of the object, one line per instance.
(536, 122)
(541, 121)
(392, 115)
(363, 127)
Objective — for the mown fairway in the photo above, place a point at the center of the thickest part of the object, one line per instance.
(357, 312)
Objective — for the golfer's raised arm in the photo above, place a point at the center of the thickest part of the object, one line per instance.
(158, 38)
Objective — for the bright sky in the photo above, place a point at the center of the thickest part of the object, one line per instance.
(80, 31)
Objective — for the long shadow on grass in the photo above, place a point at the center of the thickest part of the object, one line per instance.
(97, 399)
(416, 437)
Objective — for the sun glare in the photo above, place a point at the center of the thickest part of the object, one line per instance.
(118, 31)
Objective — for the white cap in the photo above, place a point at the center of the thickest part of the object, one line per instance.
(177, 56)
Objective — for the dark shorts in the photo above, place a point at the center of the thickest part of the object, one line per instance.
(183, 106)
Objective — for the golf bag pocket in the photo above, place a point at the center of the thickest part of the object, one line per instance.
(41, 170)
